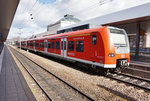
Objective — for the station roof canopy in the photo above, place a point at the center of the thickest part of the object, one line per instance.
(7, 12)
(130, 15)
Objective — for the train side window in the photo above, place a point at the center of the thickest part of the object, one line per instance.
(62, 45)
(45, 44)
(57, 45)
(94, 39)
(53, 45)
(79, 46)
(37, 44)
(40, 44)
(49, 45)
(71, 45)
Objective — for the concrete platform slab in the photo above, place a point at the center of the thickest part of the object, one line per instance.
(13, 86)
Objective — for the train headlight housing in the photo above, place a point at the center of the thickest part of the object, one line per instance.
(111, 54)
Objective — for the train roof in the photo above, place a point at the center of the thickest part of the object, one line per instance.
(67, 34)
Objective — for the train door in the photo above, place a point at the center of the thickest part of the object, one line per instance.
(93, 48)
(45, 46)
(64, 47)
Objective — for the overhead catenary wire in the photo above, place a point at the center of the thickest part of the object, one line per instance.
(75, 14)
(26, 7)
(31, 12)
(23, 21)
(38, 11)
(91, 7)
(33, 5)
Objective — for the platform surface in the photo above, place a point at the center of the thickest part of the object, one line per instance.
(13, 86)
(142, 59)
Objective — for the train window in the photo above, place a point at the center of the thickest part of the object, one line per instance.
(33, 44)
(37, 44)
(94, 38)
(71, 45)
(57, 45)
(62, 45)
(45, 44)
(79, 46)
(53, 45)
(42, 45)
(49, 45)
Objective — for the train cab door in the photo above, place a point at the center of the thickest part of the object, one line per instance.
(93, 44)
(45, 46)
(64, 47)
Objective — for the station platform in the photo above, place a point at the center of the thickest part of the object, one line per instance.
(13, 86)
(141, 60)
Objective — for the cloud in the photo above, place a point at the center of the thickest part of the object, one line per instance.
(44, 13)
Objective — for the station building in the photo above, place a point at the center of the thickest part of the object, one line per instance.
(136, 22)
(65, 21)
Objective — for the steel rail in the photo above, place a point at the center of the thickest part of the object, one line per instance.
(33, 78)
(130, 83)
(91, 99)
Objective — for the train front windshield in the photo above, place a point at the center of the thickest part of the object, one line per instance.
(119, 37)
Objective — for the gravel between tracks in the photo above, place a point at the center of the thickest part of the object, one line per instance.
(98, 87)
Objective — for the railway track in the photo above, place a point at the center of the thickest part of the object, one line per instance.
(131, 80)
(48, 81)
(138, 70)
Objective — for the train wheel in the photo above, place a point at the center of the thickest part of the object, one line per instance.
(118, 70)
(105, 71)
(112, 71)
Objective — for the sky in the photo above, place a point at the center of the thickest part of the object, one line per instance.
(33, 16)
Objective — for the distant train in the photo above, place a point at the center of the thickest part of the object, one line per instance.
(106, 48)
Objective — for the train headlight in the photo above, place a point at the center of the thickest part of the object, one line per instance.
(111, 54)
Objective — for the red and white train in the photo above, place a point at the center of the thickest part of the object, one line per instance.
(105, 47)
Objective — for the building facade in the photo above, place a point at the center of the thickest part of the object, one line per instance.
(53, 28)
